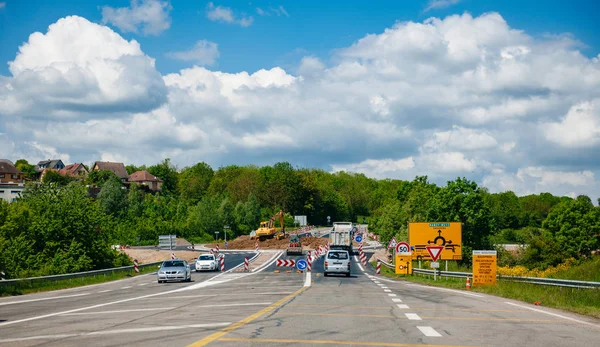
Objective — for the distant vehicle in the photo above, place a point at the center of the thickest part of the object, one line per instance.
(338, 262)
(206, 262)
(174, 270)
(340, 236)
(295, 246)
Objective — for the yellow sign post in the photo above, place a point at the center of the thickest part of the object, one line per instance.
(448, 235)
(404, 263)
(484, 267)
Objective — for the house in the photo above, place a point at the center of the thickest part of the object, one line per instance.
(146, 178)
(9, 173)
(55, 164)
(74, 170)
(116, 168)
(11, 191)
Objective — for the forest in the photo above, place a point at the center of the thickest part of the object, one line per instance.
(58, 227)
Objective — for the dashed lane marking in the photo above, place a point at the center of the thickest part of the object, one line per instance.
(402, 306)
(105, 291)
(143, 284)
(553, 314)
(126, 287)
(387, 290)
(412, 316)
(392, 295)
(328, 342)
(429, 332)
(396, 300)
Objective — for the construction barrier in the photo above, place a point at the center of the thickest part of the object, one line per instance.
(378, 267)
(308, 261)
(2, 274)
(217, 248)
(222, 260)
(136, 266)
(363, 258)
(468, 285)
(172, 256)
(286, 262)
(246, 264)
(256, 246)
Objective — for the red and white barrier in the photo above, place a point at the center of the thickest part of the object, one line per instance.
(211, 251)
(286, 262)
(222, 260)
(136, 266)
(217, 248)
(309, 261)
(172, 256)
(363, 258)
(256, 246)
(378, 267)
(246, 264)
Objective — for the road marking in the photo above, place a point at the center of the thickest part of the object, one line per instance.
(126, 287)
(377, 282)
(360, 267)
(392, 294)
(238, 304)
(105, 291)
(307, 281)
(445, 290)
(412, 316)
(525, 320)
(429, 332)
(387, 290)
(384, 287)
(402, 306)
(396, 300)
(266, 310)
(42, 299)
(143, 284)
(333, 314)
(213, 295)
(118, 331)
(120, 311)
(327, 342)
(553, 314)
(380, 284)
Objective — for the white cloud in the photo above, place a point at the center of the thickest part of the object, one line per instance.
(438, 4)
(579, 128)
(2, 5)
(203, 53)
(278, 11)
(226, 15)
(380, 168)
(151, 16)
(460, 138)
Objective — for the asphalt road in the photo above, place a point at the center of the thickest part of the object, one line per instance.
(266, 308)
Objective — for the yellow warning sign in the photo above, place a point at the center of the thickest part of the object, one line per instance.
(404, 263)
(448, 235)
(484, 267)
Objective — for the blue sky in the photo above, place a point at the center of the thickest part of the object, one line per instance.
(506, 93)
(312, 28)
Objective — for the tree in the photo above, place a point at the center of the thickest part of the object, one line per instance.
(504, 210)
(51, 176)
(168, 173)
(194, 181)
(132, 168)
(28, 170)
(99, 177)
(112, 197)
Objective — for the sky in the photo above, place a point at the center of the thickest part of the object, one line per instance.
(503, 93)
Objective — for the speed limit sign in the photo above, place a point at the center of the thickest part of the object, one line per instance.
(402, 247)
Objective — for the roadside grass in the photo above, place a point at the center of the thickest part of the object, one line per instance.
(26, 287)
(582, 301)
(588, 270)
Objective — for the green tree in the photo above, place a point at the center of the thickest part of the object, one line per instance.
(99, 177)
(194, 181)
(28, 170)
(168, 173)
(112, 197)
(51, 176)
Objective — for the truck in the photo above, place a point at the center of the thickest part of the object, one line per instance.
(267, 229)
(340, 236)
(295, 246)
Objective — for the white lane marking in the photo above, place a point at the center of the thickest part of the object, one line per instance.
(268, 263)
(360, 267)
(213, 295)
(377, 282)
(396, 300)
(429, 332)
(553, 314)
(43, 299)
(105, 291)
(308, 280)
(445, 290)
(119, 311)
(356, 259)
(387, 290)
(126, 287)
(392, 294)
(380, 284)
(384, 287)
(412, 316)
(143, 284)
(402, 306)
(118, 331)
(239, 304)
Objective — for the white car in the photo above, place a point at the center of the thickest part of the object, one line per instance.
(206, 262)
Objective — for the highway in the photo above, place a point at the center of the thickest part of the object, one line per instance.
(266, 308)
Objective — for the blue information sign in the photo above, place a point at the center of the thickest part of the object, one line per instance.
(358, 238)
(301, 264)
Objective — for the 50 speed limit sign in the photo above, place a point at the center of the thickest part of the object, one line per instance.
(402, 247)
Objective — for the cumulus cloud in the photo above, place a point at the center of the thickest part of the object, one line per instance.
(226, 15)
(203, 53)
(150, 16)
(80, 69)
(447, 97)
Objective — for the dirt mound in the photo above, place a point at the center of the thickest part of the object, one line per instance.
(244, 242)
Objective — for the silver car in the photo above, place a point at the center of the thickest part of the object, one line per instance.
(174, 270)
(337, 261)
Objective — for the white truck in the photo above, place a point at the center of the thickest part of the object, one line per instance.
(340, 236)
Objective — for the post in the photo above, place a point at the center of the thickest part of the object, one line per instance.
(170, 243)
(446, 265)
(135, 266)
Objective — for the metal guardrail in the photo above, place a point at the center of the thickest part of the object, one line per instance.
(533, 280)
(76, 274)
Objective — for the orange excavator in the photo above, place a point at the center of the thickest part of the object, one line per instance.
(267, 230)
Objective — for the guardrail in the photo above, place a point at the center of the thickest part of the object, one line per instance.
(534, 280)
(74, 275)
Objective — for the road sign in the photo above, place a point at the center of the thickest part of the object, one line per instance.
(301, 264)
(393, 242)
(484, 267)
(226, 244)
(358, 238)
(402, 247)
(435, 265)
(446, 235)
(434, 252)
(404, 263)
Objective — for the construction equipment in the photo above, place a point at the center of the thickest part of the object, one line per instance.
(268, 230)
(295, 246)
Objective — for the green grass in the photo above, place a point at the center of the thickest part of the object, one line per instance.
(582, 301)
(25, 287)
(589, 270)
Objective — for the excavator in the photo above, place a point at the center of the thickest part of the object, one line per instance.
(268, 230)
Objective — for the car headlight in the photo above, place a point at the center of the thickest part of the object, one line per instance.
(161, 272)
(178, 271)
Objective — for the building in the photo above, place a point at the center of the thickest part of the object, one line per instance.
(74, 170)
(116, 168)
(11, 191)
(55, 164)
(9, 173)
(146, 178)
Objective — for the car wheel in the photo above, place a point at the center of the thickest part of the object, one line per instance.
(348, 274)
(160, 281)
(325, 274)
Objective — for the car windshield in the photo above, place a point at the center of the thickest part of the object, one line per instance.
(337, 255)
(173, 264)
(205, 257)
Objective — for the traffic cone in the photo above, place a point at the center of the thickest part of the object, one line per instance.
(468, 283)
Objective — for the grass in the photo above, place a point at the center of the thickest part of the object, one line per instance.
(589, 270)
(25, 287)
(582, 301)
